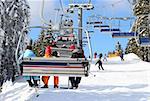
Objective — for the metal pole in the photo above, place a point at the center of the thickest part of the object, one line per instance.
(80, 26)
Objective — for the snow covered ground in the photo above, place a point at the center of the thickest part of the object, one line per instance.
(127, 80)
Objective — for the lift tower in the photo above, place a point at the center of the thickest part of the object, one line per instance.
(80, 8)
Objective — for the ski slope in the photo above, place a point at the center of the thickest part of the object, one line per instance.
(127, 80)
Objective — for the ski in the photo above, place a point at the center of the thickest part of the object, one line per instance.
(65, 88)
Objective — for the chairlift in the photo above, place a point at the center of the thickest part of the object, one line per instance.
(101, 26)
(124, 34)
(84, 44)
(85, 41)
(144, 41)
(110, 30)
(90, 31)
(96, 22)
(61, 66)
(85, 37)
(55, 66)
(104, 26)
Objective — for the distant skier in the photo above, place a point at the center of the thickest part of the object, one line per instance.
(99, 62)
(105, 58)
(122, 56)
(95, 55)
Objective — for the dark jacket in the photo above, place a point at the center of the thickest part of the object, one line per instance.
(99, 61)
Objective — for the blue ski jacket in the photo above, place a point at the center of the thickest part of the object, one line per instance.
(29, 53)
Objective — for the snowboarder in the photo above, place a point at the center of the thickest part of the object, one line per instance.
(99, 62)
(29, 53)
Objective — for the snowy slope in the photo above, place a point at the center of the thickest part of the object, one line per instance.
(127, 80)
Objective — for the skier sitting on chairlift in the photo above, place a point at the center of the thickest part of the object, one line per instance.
(77, 53)
(29, 53)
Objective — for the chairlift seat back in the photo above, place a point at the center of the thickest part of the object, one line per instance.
(39, 66)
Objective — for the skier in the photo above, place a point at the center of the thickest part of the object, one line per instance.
(122, 56)
(105, 58)
(95, 55)
(45, 79)
(99, 62)
(55, 54)
(29, 53)
(72, 47)
(77, 53)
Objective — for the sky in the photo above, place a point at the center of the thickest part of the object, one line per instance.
(101, 42)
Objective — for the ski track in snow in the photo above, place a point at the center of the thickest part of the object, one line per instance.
(127, 80)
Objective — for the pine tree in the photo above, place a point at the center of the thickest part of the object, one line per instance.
(14, 16)
(141, 11)
(45, 38)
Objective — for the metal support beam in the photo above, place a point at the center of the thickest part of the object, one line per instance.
(80, 26)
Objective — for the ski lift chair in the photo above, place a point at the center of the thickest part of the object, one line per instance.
(142, 39)
(110, 30)
(104, 26)
(91, 31)
(61, 66)
(124, 34)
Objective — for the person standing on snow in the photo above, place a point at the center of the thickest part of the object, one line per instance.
(29, 53)
(122, 56)
(99, 62)
(95, 54)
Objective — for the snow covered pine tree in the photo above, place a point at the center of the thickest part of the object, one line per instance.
(14, 16)
(141, 11)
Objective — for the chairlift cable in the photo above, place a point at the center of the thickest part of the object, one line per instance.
(89, 1)
(61, 5)
(42, 16)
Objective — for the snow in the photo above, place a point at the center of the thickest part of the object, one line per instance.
(127, 80)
